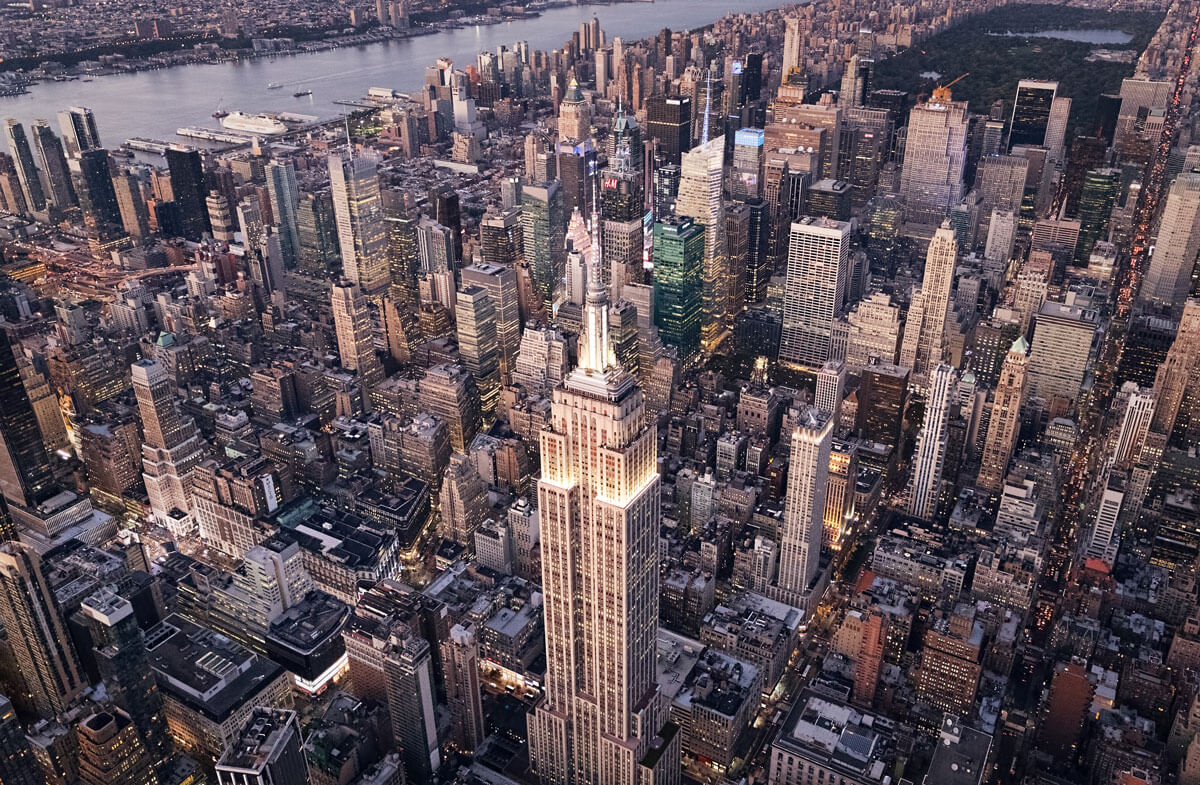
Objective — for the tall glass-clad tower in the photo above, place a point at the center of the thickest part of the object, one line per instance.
(678, 256)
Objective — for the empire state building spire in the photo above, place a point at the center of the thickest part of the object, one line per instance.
(596, 354)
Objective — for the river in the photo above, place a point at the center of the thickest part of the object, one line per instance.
(154, 103)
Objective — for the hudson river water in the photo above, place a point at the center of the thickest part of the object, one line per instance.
(154, 103)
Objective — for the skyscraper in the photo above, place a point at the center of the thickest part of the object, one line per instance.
(931, 445)
(352, 325)
(97, 196)
(25, 476)
(804, 508)
(934, 156)
(1056, 128)
(500, 238)
(793, 47)
(1031, 112)
(317, 233)
(831, 388)
(362, 234)
(544, 220)
(622, 207)
(27, 172)
(574, 115)
(882, 398)
(818, 265)
(669, 120)
(135, 217)
(746, 179)
(37, 635)
(435, 252)
(119, 649)
(268, 751)
(1062, 341)
(1100, 190)
(602, 712)
(221, 219)
(856, 81)
(171, 449)
(678, 259)
(408, 671)
(500, 283)
(54, 164)
(449, 392)
(187, 186)
(447, 211)
(477, 344)
(664, 182)
(13, 197)
(1005, 421)
(79, 132)
(1178, 370)
(1135, 424)
(17, 764)
(285, 198)
(1169, 276)
(460, 655)
(701, 177)
(110, 752)
(924, 340)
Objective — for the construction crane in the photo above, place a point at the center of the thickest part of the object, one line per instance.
(942, 92)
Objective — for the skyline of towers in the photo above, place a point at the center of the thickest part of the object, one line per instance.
(683, 482)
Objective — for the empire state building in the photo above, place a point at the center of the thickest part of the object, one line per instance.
(602, 719)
